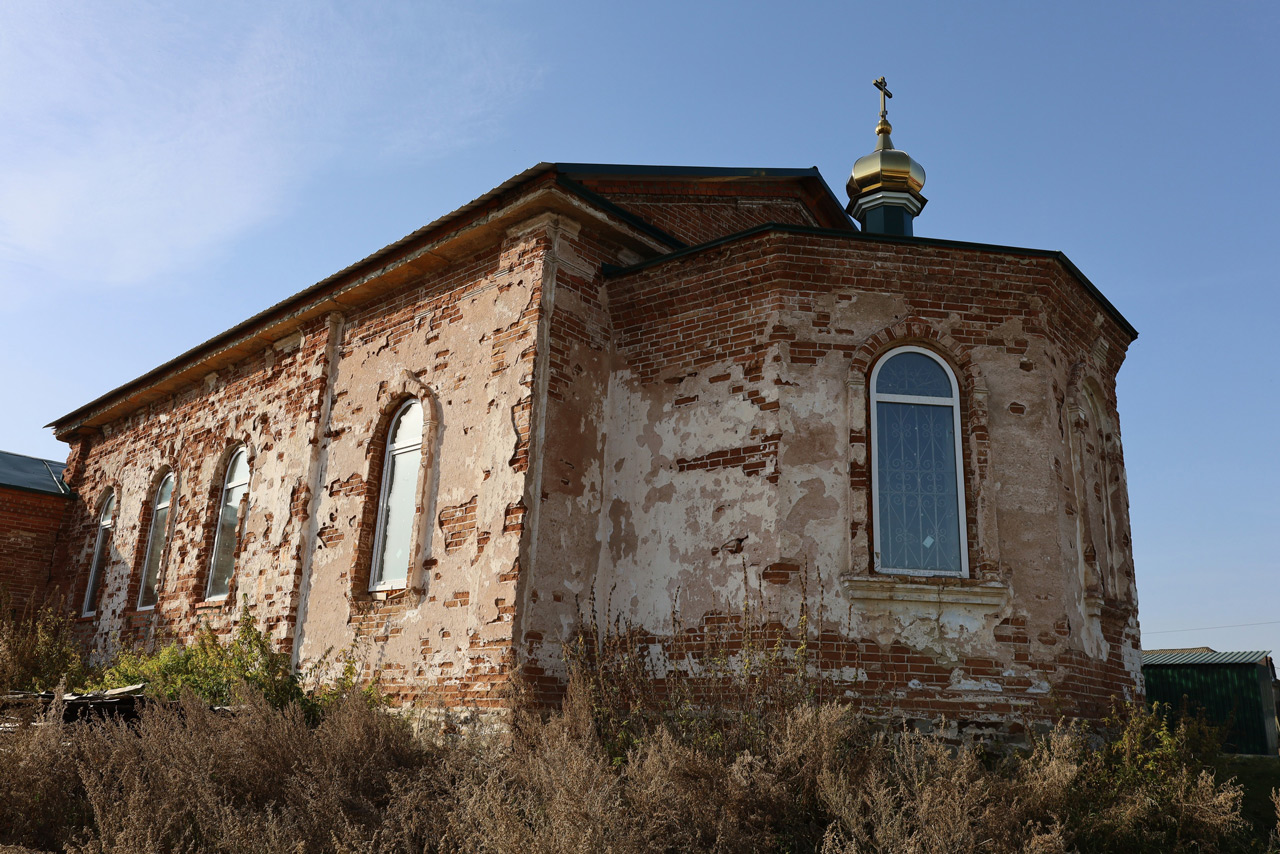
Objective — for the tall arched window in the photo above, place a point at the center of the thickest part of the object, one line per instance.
(234, 489)
(393, 535)
(156, 540)
(917, 479)
(101, 553)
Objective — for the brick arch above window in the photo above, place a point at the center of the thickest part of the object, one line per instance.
(150, 537)
(975, 440)
(213, 515)
(391, 400)
(916, 330)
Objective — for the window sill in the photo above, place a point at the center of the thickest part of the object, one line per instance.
(141, 612)
(87, 618)
(212, 604)
(936, 590)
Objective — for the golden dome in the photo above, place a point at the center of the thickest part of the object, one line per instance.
(886, 168)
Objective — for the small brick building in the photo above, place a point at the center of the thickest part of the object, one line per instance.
(639, 389)
(33, 502)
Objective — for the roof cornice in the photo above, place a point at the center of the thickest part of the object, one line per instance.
(863, 237)
(429, 247)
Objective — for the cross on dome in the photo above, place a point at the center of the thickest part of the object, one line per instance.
(884, 93)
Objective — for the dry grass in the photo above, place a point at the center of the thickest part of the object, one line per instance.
(37, 647)
(768, 768)
(187, 778)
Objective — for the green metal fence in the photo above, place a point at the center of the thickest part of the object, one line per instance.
(1231, 696)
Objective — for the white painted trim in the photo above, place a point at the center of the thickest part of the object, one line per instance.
(887, 197)
(375, 568)
(878, 526)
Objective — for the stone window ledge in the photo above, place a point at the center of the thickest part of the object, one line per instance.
(882, 589)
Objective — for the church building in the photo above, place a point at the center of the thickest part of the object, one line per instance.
(632, 392)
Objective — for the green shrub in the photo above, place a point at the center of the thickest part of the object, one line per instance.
(38, 648)
(210, 669)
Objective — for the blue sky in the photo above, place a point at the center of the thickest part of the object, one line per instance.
(166, 170)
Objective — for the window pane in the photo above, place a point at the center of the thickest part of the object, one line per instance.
(397, 525)
(913, 373)
(101, 548)
(238, 470)
(108, 507)
(165, 491)
(409, 428)
(224, 554)
(151, 570)
(916, 472)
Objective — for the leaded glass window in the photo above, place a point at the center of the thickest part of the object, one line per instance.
(155, 542)
(101, 553)
(916, 476)
(227, 537)
(393, 535)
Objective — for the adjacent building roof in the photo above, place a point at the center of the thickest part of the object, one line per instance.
(1202, 655)
(32, 474)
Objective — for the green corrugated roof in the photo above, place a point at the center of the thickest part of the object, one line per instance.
(32, 474)
(1194, 656)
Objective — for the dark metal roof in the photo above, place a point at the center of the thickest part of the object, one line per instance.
(1161, 658)
(32, 474)
(583, 171)
(313, 291)
(385, 255)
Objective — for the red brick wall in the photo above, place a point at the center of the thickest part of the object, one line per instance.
(757, 320)
(318, 408)
(267, 401)
(29, 524)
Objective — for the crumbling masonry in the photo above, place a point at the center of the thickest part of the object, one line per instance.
(643, 386)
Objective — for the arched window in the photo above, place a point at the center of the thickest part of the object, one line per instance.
(156, 540)
(101, 553)
(917, 481)
(227, 536)
(393, 535)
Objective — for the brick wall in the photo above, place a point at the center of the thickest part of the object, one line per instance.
(718, 402)
(29, 524)
(313, 412)
(673, 439)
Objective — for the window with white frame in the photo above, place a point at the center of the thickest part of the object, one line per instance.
(227, 537)
(101, 554)
(917, 480)
(156, 540)
(397, 503)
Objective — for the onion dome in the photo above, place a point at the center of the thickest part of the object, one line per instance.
(884, 187)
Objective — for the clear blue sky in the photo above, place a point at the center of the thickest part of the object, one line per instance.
(166, 170)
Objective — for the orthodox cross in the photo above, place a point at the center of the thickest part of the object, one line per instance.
(884, 93)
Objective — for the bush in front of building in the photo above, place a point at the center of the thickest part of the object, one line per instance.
(38, 648)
